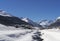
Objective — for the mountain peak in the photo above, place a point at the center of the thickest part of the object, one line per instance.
(4, 13)
(26, 19)
(58, 17)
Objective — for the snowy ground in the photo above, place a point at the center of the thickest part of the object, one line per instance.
(51, 35)
(8, 33)
(19, 35)
(14, 34)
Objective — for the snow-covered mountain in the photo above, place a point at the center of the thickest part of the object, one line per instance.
(45, 23)
(4, 13)
(27, 20)
(56, 23)
(9, 20)
(31, 22)
(57, 18)
(10, 33)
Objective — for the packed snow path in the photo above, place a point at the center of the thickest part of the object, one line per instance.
(51, 35)
(19, 35)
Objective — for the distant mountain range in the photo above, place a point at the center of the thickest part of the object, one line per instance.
(10, 20)
(31, 22)
(45, 23)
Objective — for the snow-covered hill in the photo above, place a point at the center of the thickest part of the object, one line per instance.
(13, 34)
(51, 35)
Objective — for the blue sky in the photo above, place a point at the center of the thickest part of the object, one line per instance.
(34, 9)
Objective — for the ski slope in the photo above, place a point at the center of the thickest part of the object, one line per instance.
(51, 35)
